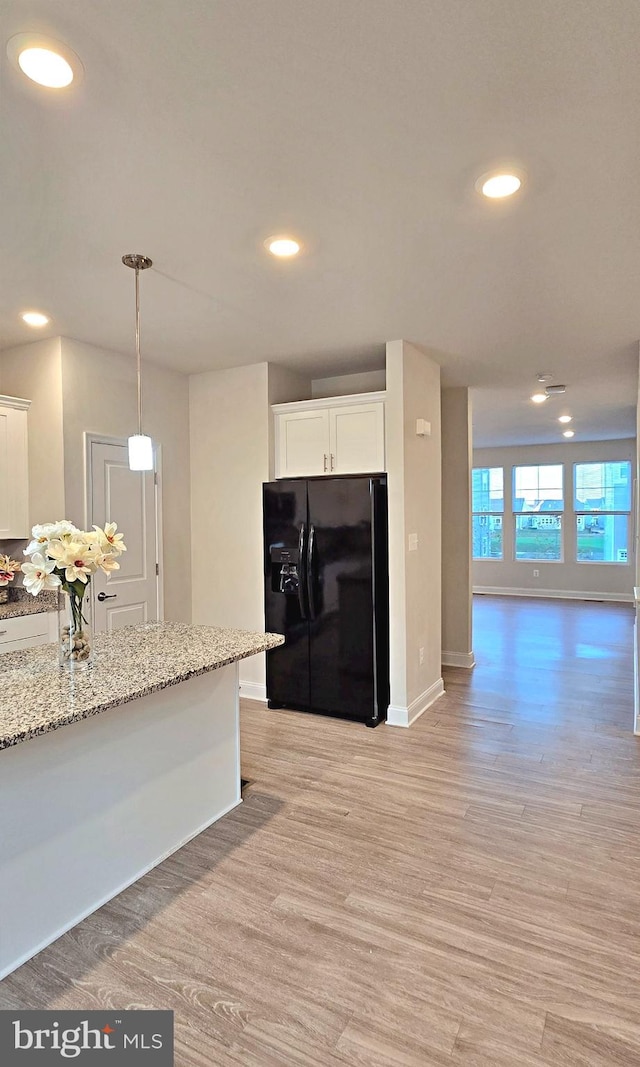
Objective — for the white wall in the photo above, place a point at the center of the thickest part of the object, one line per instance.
(99, 396)
(229, 412)
(34, 372)
(611, 580)
(284, 387)
(348, 384)
(414, 486)
(456, 525)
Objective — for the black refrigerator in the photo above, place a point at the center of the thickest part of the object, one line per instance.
(327, 591)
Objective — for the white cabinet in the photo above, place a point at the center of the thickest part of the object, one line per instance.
(28, 631)
(14, 472)
(339, 435)
(302, 442)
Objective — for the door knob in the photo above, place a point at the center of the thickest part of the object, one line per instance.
(106, 596)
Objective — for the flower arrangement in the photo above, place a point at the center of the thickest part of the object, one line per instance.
(8, 570)
(63, 557)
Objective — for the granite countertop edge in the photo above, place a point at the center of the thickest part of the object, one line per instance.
(264, 642)
(18, 608)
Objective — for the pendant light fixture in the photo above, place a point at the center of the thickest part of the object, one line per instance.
(140, 444)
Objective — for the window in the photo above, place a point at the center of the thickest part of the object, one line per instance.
(602, 502)
(538, 503)
(487, 505)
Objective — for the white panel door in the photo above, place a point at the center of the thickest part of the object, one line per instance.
(6, 509)
(357, 438)
(117, 494)
(303, 443)
(14, 474)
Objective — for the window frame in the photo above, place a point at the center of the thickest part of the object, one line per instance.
(606, 514)
(488, 515)
(558, 514)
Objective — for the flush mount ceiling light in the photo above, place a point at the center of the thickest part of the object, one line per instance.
(568, 433)
(140, 444)
(44, 60)
(539, 398)
(565, 418)
(34, 318)
(283, 247)
(498, 184)
(555, 390)
(544, 377)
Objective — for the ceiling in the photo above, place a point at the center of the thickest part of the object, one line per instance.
(203, 126)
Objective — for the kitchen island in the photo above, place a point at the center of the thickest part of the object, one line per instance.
(105, 773)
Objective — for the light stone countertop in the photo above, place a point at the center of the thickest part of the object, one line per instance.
(37, 696)
(22, 603)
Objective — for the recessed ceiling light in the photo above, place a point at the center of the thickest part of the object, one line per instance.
(283, 247)
(35, 318)
(44, 60)
(539, 398)
(568, 433)
(498, 184)
(565, 418)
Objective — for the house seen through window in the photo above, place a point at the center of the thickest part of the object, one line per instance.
(602, 502)
(538, 503)
(487, 502)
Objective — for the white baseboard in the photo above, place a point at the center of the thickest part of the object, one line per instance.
(458, 659)
(253, 691)
(561, 594)
(400, 716)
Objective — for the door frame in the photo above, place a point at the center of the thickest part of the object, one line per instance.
(105, 439)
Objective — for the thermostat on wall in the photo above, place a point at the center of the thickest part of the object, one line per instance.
(423, 428)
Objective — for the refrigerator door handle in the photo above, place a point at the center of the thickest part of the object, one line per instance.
(310, 548)
(301, 534)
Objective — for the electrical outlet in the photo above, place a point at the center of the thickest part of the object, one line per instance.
(422, 655)
(536, 573)
(413, 542)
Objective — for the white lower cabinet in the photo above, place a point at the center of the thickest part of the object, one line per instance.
(343, 435)
(28, 631)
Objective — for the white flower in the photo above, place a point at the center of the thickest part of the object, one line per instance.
(107, 564)
(38, 576)
(78, 559)
(62, 530)
(42, 534)
(110, 542)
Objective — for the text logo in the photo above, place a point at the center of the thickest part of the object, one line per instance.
(120, 1038)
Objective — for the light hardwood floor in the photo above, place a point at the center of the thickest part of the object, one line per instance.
(462, 893)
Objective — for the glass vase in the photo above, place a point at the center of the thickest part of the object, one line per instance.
(75, 630)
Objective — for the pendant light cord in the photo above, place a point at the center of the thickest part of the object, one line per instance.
(139, 369)
(138, 262)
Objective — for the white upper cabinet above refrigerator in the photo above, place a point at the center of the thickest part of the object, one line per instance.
(14, 469)
(337, 435)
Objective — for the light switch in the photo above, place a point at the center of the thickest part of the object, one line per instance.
(413, 542)
(423, 428)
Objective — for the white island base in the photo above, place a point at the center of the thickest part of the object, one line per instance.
(88, 809)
